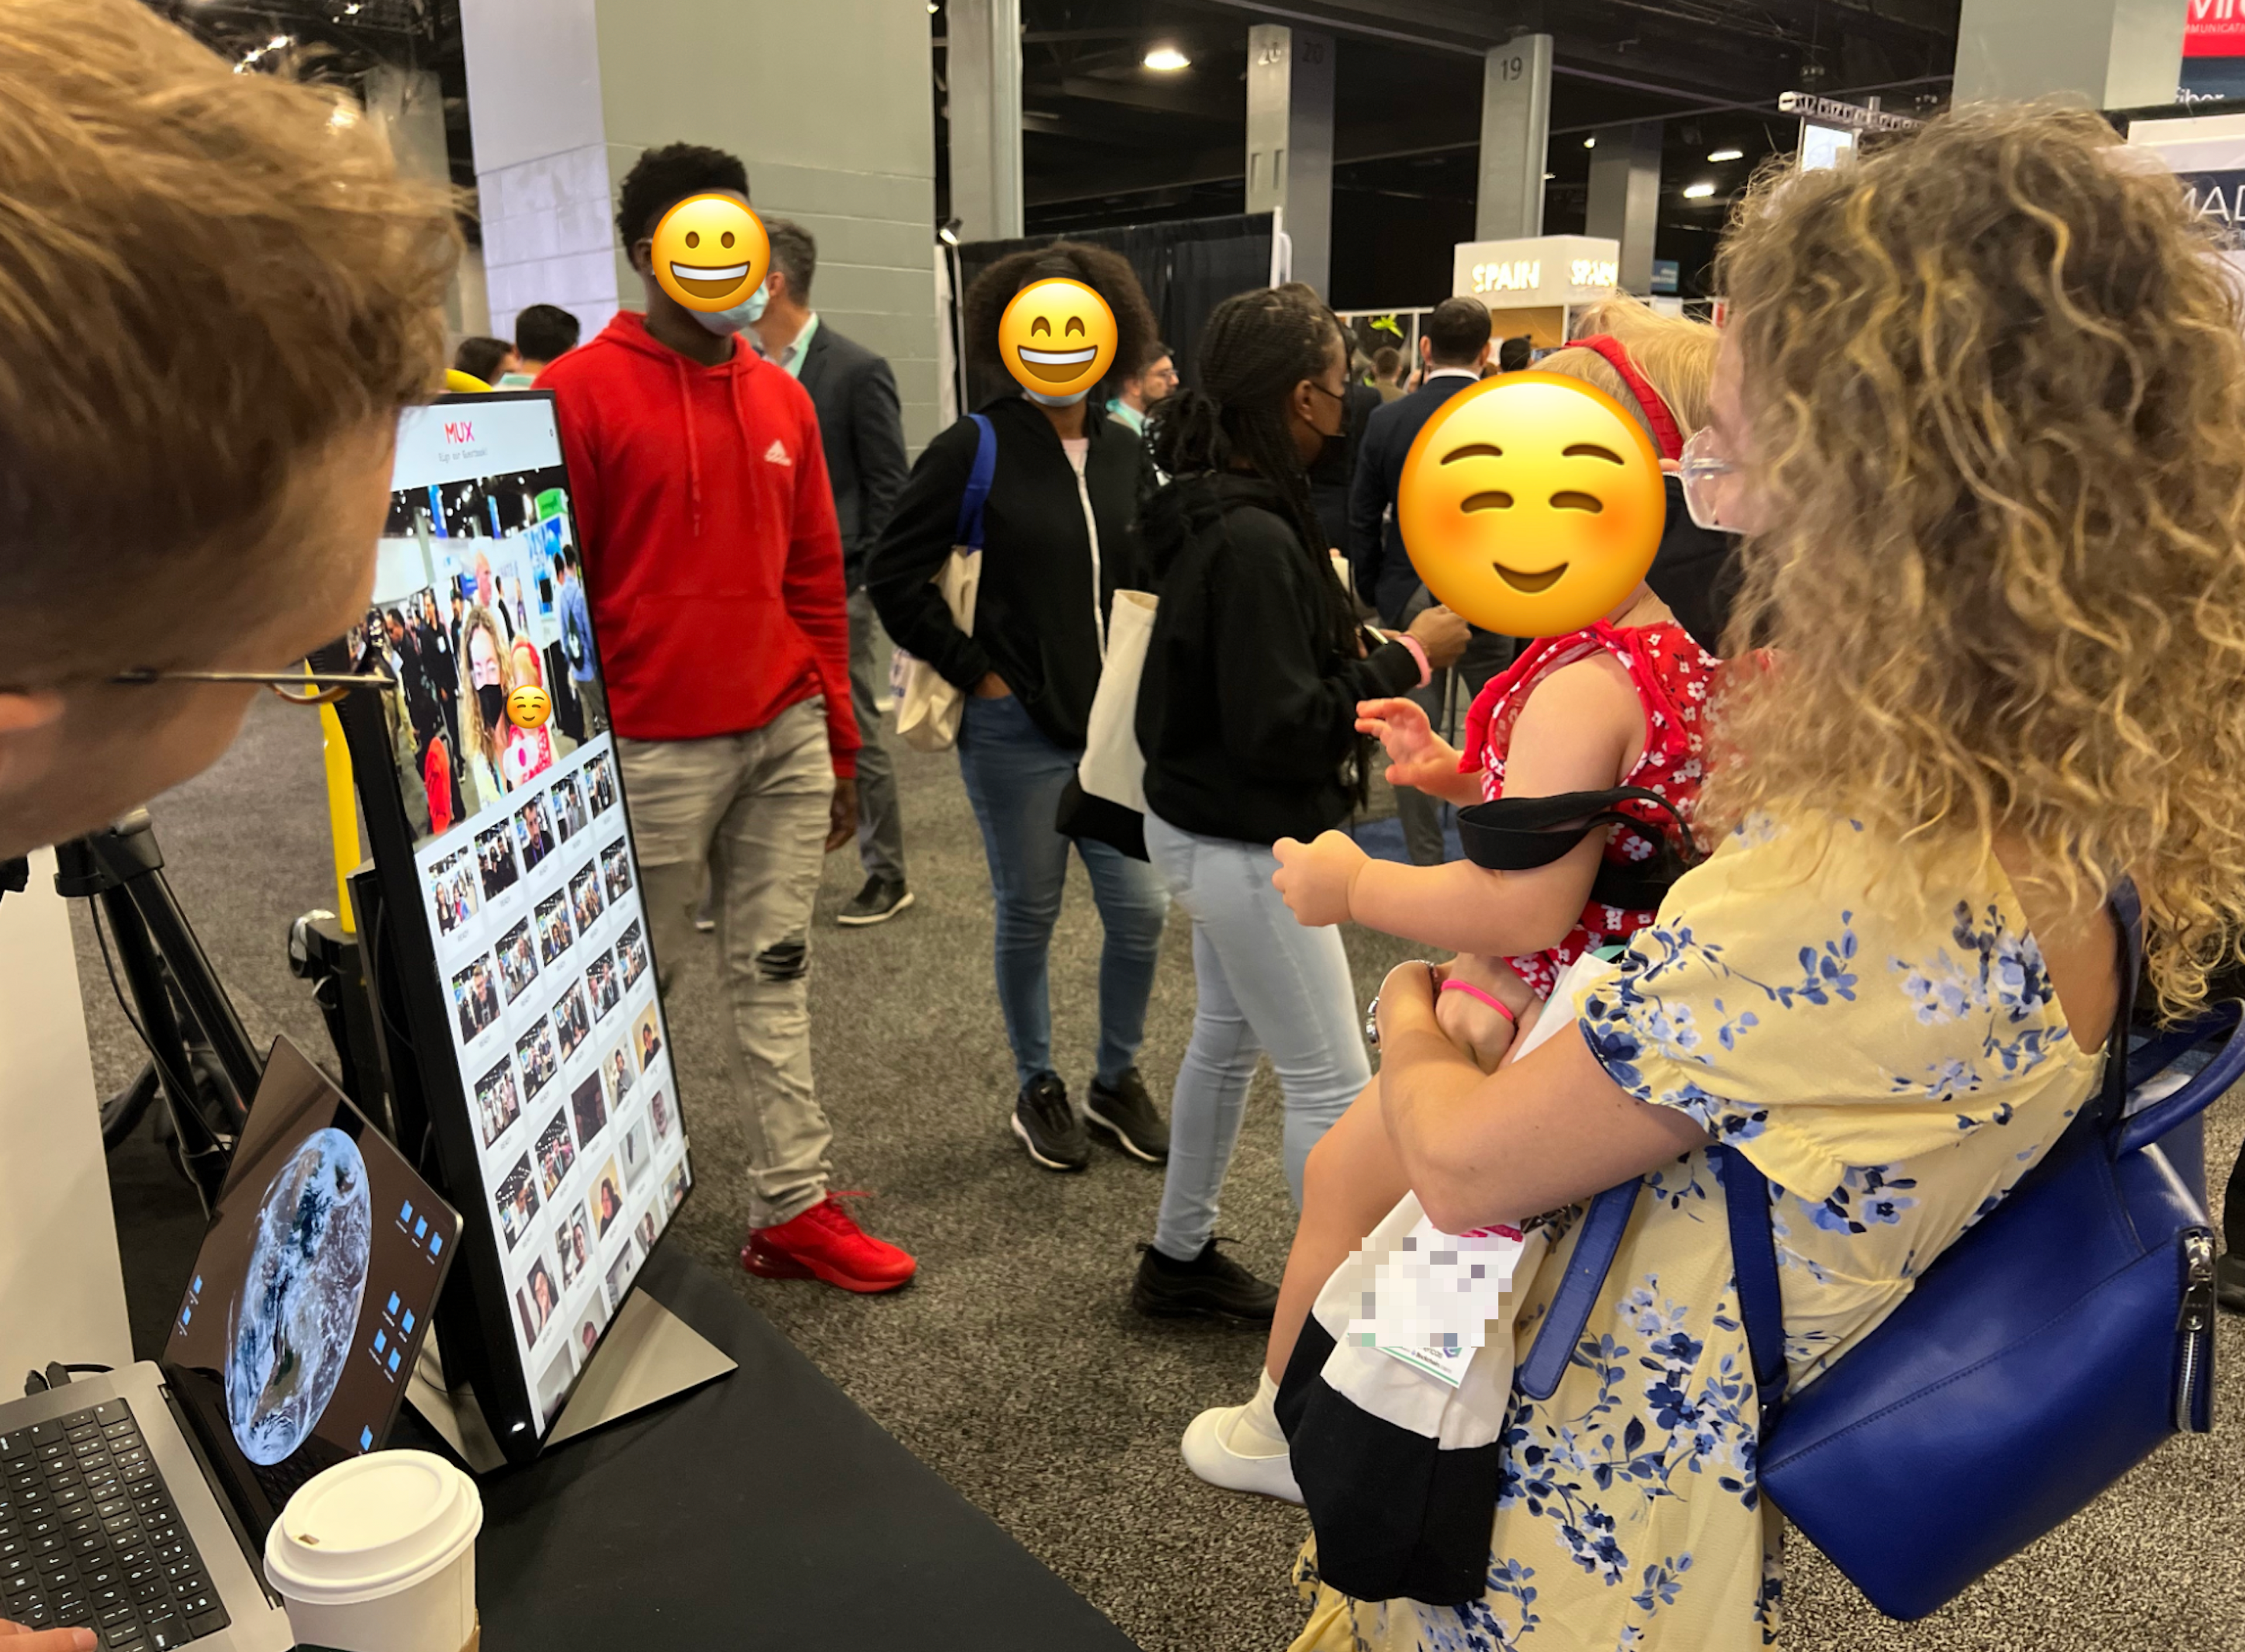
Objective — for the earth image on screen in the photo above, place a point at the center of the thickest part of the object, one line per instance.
(292, 1326)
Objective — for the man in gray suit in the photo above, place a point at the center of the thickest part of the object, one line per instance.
(862, 429)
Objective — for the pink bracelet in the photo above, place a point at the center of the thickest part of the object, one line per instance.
(1419, 653)
(1471, 991)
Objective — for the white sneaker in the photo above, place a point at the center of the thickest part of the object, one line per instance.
(1240, 1448)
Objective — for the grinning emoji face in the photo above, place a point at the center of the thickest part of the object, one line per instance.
(1057, 337)
(1531, 504)
(710, 252)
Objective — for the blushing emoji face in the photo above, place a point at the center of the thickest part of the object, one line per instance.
(710, 252)
(1531, 504)
(528, 708)
(1057, 337)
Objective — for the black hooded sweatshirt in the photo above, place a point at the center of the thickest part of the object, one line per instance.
(1035, 621)
(1247, 709)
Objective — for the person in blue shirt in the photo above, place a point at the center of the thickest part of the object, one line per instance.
(577, 643)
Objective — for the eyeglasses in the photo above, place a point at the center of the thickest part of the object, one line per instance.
(1701, 469)
(297, 688)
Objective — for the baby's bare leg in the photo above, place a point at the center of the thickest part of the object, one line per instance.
(1353, 1180)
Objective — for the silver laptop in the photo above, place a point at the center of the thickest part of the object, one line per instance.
(135, 1503)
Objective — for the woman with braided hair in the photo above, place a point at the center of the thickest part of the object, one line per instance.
(1246, 716)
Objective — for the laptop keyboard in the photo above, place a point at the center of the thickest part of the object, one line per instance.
(89, 1537)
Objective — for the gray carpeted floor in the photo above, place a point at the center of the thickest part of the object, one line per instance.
(1014, 1365)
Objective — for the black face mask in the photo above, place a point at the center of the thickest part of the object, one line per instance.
(492, 699)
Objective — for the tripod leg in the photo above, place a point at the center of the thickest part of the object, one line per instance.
(201, 1150)
(207, 1001)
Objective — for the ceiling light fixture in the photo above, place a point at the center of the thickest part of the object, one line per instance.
(1722, 155)
(1697, 192)
(1167, 59)
(1590, 142)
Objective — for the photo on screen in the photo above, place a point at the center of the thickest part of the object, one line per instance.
(585, 897)
(590, 1115)
(591, 1323)
(497, 1104)
(606, 1201)
(616, 1072)
(517, 1201)
(476, 996)
(635, 1155)
(604, 984)
(533, 832)
(452, 892)
(554, 935)
(569, 815)
(647, 1038)
(631, 954)
(536, 1298)
(622, 1271)
(572, 1022)
(553, 1386)
(616, 870)
(556, 1154)
(573, 1244)
(599, 784)
(517, 959)
(645, 1233)
(658, 1109)
(534, 1049)
(676, 1184)
(495, 859)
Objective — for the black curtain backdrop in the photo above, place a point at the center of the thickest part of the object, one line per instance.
(1187, 268)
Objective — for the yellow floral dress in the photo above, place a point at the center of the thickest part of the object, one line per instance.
(1888, 1050)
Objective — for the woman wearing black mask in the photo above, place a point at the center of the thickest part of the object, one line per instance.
(1246, 716)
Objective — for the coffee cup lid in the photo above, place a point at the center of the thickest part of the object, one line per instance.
(371, 1527)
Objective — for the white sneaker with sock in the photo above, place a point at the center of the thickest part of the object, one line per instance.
(1242, 1448)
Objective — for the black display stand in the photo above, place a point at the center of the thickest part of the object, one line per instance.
(764, 1510)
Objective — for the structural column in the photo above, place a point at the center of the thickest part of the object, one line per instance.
(1625, 197)
(1516, 130)
(834, 122)
(983, 70)
(2119, 54)
(1290, 83)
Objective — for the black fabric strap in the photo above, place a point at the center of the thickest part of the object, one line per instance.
(1519, 834)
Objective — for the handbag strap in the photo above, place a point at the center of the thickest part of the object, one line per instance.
(1519, 834)
(1746, 1199)
(969, 531)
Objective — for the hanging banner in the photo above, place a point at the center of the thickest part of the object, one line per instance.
(2207, 154)
(2213, 49)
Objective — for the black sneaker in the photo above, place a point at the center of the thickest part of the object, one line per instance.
(1210, 1283)
(1127, 1113)
(1048, 1126)
(879, 901)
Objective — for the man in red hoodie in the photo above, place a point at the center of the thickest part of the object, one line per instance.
(714, 570)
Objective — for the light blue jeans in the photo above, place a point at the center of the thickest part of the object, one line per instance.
(1014, 777)
(1266, 984)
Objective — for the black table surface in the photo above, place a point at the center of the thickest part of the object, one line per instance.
(764, 1509)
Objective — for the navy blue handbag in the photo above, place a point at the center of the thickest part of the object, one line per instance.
(2048, 1351)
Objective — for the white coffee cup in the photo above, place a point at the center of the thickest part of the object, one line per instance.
(378, 1554)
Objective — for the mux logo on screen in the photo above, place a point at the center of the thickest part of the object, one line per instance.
(458, 431)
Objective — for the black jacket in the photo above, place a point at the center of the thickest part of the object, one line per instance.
(1330, 476)
(861, 427)
(1034, 620)
(1247, 711)
(1384, 577)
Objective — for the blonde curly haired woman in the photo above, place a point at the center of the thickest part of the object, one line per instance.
(1984, 398)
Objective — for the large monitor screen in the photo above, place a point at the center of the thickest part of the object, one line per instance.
(524, 878)
(312, 1292)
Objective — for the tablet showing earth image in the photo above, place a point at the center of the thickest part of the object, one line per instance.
(293, 1325)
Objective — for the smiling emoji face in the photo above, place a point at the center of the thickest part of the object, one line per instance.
(1531, 504)
(1057, 337)
(710, 252)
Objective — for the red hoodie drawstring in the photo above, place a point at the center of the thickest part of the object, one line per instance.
(693, 444)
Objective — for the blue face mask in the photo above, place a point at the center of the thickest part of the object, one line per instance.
(1039, 397)
(746, 313)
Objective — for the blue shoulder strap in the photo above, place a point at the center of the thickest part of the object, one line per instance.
(978, 484)
(1597, 1239)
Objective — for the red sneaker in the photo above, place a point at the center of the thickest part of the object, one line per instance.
(824, 1243)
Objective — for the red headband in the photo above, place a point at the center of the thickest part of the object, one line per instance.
(1666, 435)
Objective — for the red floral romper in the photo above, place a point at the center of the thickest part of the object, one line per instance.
(1672, 674)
